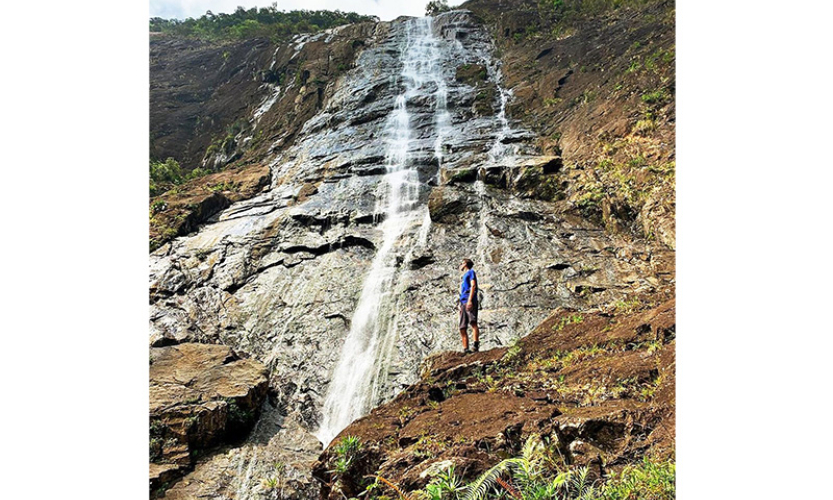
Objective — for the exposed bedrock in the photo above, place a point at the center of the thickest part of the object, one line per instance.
(278, 276)
(200, 396)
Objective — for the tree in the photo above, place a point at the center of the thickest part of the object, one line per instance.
(435, 7)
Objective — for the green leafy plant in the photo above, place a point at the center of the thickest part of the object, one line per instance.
(158, 206)
(568, 320)
(349, 446)
(346, 452)
(655, 97)
(649, 480)
(446, 485)
(223, 186)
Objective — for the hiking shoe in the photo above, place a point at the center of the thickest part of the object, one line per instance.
(466, 351)
(477, 346)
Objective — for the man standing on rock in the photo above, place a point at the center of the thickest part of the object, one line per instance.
(468, 305)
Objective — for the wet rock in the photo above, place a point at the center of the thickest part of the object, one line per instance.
(445, 204)
(529, 177)
(181, 211)
(577, 93)
(484, 101)
(471, 74)
(278, 276)
(459, 175)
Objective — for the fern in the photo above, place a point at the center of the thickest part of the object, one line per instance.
(526, 468)
(479, 488)
(582, 488)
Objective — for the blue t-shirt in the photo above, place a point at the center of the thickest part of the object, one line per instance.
(465, 287)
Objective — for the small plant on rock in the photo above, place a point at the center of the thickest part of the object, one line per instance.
(446, 485)
(346, 452)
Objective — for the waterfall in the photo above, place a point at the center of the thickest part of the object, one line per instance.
(496, 155)
(364, 357)
(498, 150)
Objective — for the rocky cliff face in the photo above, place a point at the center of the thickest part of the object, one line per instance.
(340, 275)
(600, 92)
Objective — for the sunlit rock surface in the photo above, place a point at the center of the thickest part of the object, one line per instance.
(280, 276)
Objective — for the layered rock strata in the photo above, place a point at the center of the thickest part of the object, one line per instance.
(279, 276)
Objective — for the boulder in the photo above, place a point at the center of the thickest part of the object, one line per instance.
(444, 203)
(201, 395)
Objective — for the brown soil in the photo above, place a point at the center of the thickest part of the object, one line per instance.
(599, 384)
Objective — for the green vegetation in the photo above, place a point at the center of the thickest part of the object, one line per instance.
(513, 352)
(347, 451)
(568, 320)
(266, 22)
(435, 7)
(627, 306)
(223, 186)
(652, 63)
(654, 480)
(588, 201)
(227, 143)
(446, 484)
(540, 473)
(658, 96)
(165, 175)
(428, 446)
(238, 418)
(405, 414)
(158, 206)
(568, 13)
(274, 482)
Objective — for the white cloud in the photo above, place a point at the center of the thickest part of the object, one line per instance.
(385, 9)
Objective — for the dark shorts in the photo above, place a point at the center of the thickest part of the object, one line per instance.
(468, 317)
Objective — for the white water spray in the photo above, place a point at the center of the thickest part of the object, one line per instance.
(361, 368)
(498, 151)
(496, 156)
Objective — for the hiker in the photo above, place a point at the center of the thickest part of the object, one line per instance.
(468, 306)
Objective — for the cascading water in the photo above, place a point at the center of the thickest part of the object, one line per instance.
(342, 311)
(354, 384)
(498, 150)
(497, 155)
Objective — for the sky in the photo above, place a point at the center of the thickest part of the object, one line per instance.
(385, 9)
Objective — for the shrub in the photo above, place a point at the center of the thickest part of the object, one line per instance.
(656, 97)
(198, 172)
(158, 206)
(346, 453)
(435, 7)
(167, 171)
